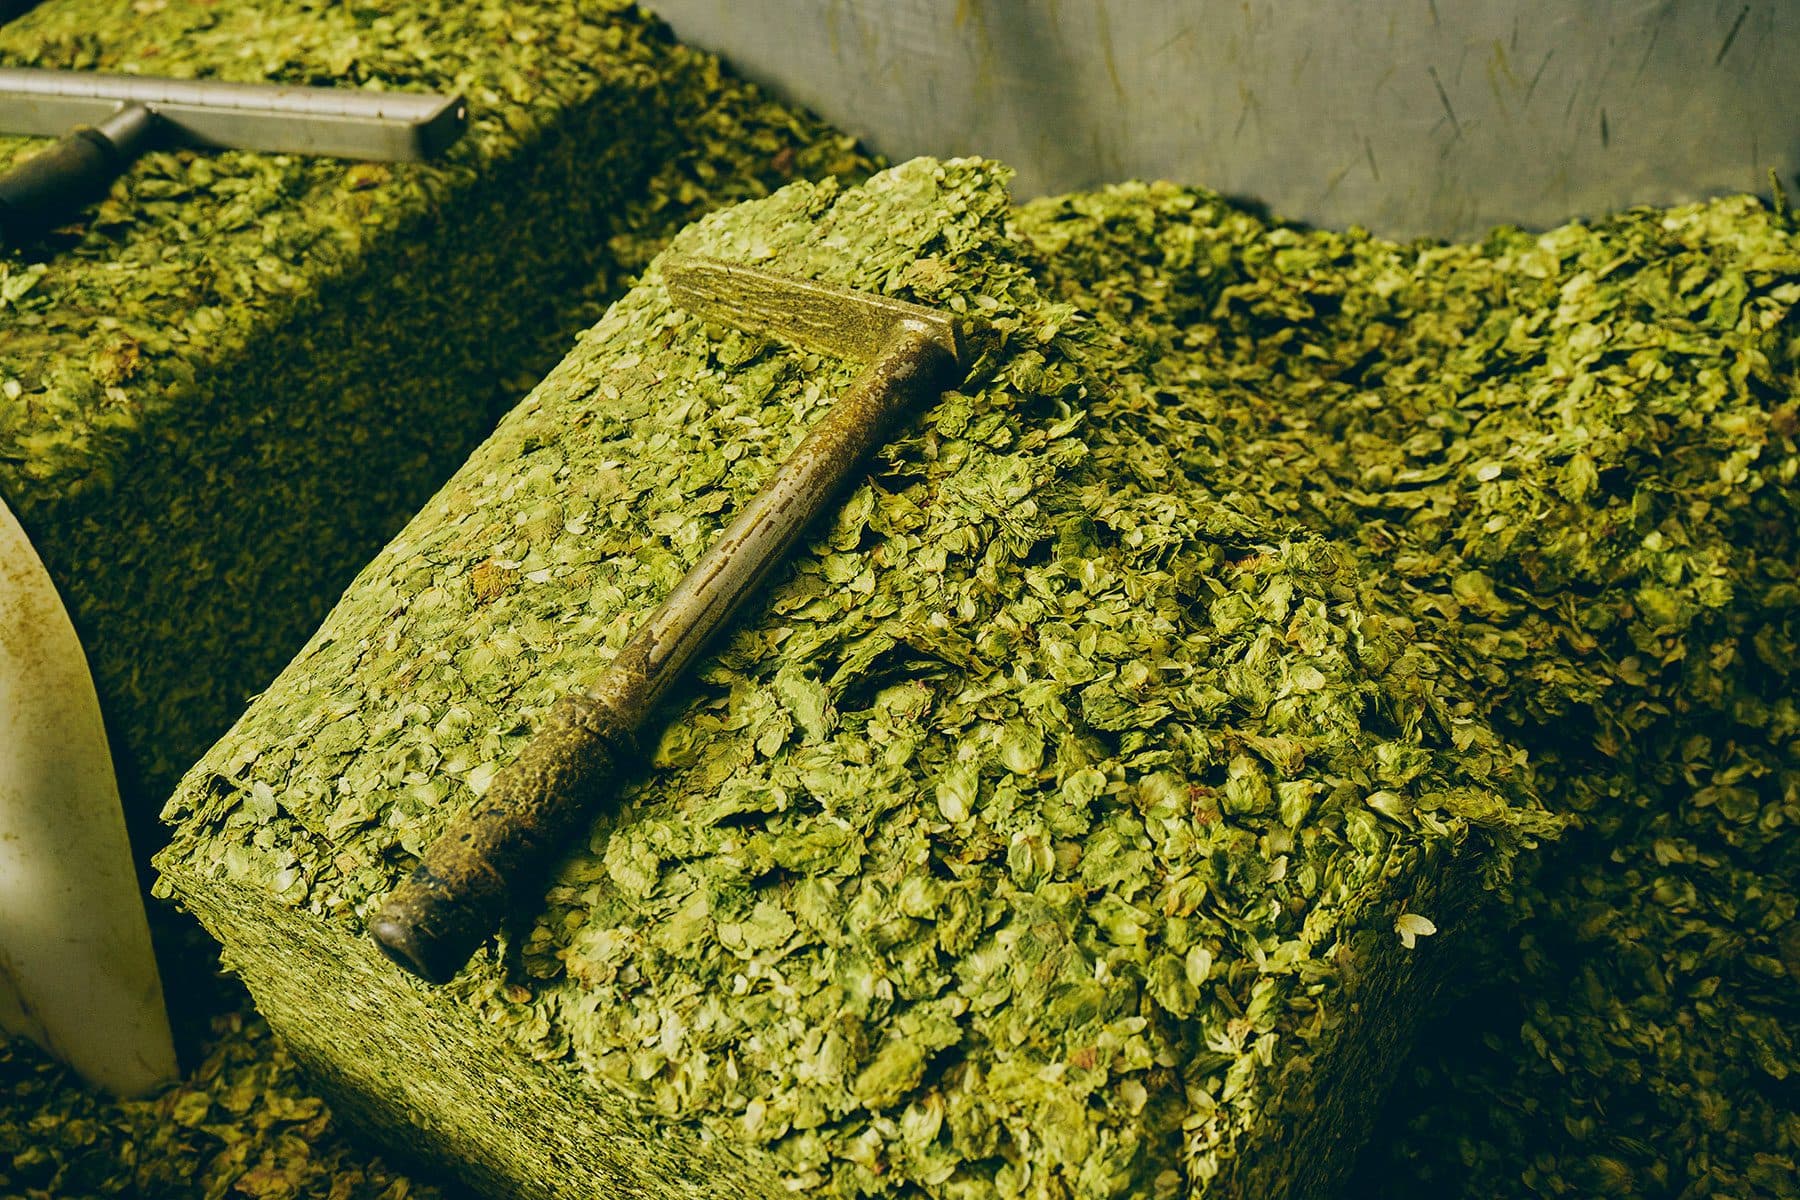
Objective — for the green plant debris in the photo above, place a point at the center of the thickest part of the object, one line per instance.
(1571, 458)
(1054, 828)
(227, 384)
(1562, 463)
(241, 1124)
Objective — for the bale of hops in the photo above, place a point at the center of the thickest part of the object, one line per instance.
(1050, 827)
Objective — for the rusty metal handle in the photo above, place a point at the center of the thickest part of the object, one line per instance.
(463, 886)
(467, 879)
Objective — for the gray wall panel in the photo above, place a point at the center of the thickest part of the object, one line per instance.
(1408, 116)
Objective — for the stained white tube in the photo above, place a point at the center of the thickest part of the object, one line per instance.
(77, 974)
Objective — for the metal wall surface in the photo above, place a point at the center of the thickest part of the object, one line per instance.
(1439, 117)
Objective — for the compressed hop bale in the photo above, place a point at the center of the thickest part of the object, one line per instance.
(1571, 457)
(1050, 829)
(227, 384)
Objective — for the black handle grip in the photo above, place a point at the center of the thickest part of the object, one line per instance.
(50, 187)
(457, 894)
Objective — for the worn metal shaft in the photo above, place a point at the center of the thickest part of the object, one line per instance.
(274, 118)
(465, 882)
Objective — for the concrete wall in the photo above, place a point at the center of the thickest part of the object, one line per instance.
(1438, 117)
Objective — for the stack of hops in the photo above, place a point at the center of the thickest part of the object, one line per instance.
(1571, 458)
(1054, 825)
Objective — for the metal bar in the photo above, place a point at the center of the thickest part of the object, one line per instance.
(914, 364)
(467, 878)
(274, 118)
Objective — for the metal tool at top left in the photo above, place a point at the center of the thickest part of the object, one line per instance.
(107, 121)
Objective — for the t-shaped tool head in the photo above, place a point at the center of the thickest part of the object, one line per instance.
(821, 317)
(433, 921)
(109, 120)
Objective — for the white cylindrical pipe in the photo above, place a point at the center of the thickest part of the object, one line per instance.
(77, 973)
